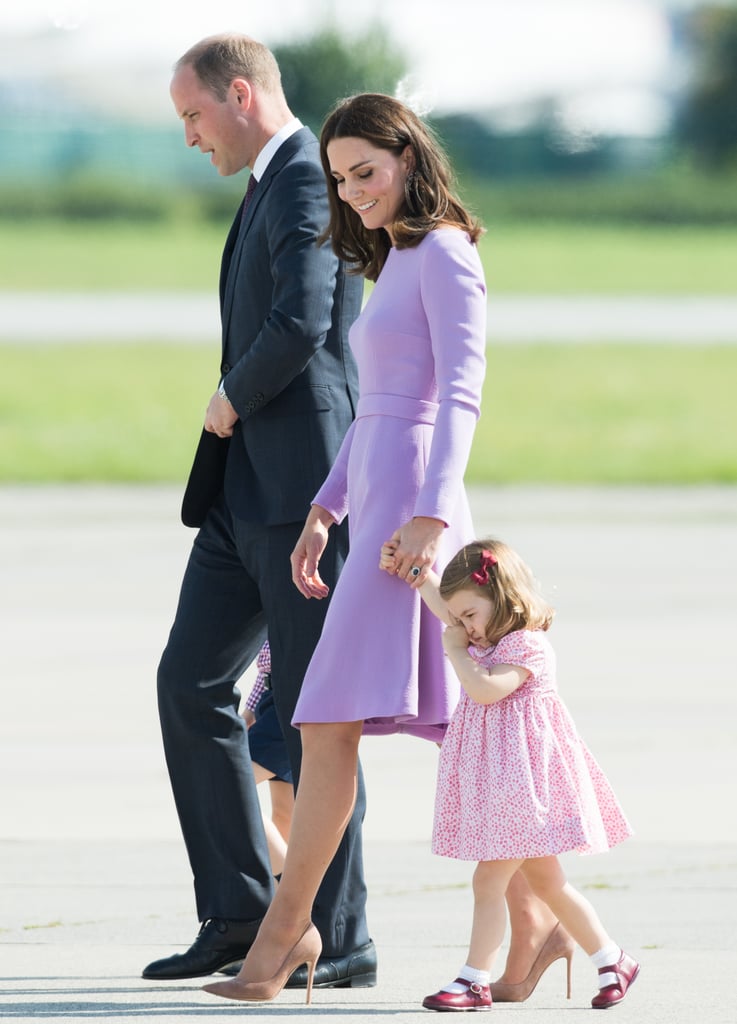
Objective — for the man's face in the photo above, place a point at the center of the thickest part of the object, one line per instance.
(214, 126)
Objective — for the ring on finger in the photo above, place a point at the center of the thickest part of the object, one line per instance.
(415, 571)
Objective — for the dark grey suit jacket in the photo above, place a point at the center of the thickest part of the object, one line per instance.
(286, 307)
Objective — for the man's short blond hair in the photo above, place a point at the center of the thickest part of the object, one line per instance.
(218, 60)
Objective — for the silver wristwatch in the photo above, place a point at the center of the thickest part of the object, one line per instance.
(222, 394)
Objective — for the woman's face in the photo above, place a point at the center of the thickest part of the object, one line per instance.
(473, 609)
(370, 180)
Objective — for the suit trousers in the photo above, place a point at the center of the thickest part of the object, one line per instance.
(237, 580)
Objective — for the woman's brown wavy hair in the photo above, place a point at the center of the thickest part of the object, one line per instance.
(387, 123)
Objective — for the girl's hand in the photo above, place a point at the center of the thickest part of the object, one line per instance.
(416, 549)
(387, 561)
(455, 638)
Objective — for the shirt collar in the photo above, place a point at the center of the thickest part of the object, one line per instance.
(265, 156)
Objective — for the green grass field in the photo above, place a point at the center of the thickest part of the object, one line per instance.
(613, 414)
(552, 413)
(519, 258)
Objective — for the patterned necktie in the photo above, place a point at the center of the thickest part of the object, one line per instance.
(249, 193)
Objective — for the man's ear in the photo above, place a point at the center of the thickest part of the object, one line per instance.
(242, 92)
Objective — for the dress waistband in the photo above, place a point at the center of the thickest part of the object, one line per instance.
(403, 406)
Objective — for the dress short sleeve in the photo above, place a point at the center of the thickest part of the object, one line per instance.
(523, 648)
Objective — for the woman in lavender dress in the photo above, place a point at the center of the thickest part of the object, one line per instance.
(419, 344)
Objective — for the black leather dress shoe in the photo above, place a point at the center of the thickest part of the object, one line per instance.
(356, 970)
(218, 944)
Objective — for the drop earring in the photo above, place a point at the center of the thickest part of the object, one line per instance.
(410, 192)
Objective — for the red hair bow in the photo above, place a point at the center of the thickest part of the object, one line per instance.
(487, 562)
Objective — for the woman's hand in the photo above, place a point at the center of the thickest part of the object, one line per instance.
(412, 550)
(307, 553)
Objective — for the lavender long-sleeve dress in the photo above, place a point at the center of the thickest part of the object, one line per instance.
(419, 344)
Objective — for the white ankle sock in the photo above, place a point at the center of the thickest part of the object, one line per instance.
(605, 957)
(468, 974)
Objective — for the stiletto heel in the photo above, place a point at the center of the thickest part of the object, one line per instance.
(306, 950)
(558, 945)
(310, 975)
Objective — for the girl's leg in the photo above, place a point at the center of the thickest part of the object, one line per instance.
(282, 806)
(277, 847)
(275, 838)
(322, 809)
(616, 969)
(470, 990)
(548, 881)
(531, 923)
(490, 881)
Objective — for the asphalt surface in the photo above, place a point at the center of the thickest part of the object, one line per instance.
(178, 317)
(94, 881)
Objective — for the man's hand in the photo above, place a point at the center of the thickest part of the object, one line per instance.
(220, 417)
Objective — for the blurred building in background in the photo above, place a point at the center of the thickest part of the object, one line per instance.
(72, 116)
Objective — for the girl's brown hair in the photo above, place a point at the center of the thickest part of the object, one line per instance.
(429, 197)
(500, 574)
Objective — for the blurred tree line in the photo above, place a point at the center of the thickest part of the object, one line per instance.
(706, 121)
(688, 176)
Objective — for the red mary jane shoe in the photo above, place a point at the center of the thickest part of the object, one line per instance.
(626, 970)
(475, 997)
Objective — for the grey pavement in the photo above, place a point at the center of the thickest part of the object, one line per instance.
(182, 317)
(93, 877)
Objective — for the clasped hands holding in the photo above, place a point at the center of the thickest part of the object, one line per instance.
(455, 636)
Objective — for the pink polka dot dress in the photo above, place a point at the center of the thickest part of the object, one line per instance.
(515, 779)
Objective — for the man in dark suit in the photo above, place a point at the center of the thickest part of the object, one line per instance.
(272, 430)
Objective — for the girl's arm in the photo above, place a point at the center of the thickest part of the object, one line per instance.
(483, 685)
(430, 594)
(429, 590)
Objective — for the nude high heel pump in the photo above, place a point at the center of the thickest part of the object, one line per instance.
(558, 945)
(305, 951)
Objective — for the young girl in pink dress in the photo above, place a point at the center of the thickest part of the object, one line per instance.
(517, 786)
